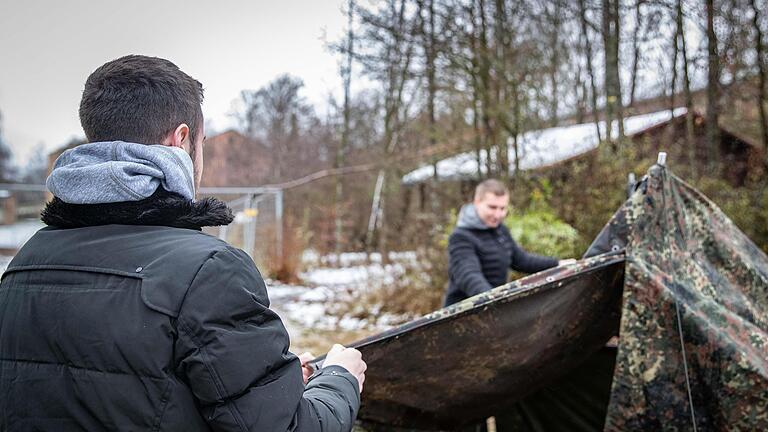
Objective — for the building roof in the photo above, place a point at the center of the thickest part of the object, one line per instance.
(233, 159)
(541, 148)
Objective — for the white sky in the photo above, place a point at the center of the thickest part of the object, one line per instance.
(48, 48)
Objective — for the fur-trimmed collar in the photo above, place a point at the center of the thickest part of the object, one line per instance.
(162, 208)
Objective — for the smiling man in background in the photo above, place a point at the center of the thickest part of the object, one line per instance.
(481, 251)
(123, 315)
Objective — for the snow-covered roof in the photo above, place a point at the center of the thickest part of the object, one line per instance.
(540, 148)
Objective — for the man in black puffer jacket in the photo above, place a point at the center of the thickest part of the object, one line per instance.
(481, 251)
(122, 315)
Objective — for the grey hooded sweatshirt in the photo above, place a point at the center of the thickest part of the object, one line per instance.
(118, 171)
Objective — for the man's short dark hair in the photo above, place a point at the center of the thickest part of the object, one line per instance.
(140, 99)
(490, 186)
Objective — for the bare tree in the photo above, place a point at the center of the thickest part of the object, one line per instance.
(713, 84)
(636, 50)
(278, 115)
(389, 38)
(502, 32)
(680, 40)
(673, 81)
(611, 42)
(485, 89)
(587, 44)
(346, 76)
(429, 44)
(554, 17)
(7, 171)
(762, 98)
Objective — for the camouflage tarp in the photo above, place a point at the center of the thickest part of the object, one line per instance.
(694, 328)
(692, 352)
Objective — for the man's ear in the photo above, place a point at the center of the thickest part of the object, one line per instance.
(179, 137)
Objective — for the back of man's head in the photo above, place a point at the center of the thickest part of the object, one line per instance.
(490, 186)
(140, 99)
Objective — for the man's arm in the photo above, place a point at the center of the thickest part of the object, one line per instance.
(527, 262)
(232, 350)
(464, 265)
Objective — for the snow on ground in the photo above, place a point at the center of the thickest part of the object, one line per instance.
(541, 147)
(358, 275)
(4, 261)
(347, 259)
(14, 236)
(306, 306)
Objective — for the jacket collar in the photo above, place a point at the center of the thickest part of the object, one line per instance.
(163, 208)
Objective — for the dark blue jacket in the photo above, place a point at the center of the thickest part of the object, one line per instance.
(479, 260)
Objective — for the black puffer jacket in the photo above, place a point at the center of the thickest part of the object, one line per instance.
(113, 320)
(480, 259)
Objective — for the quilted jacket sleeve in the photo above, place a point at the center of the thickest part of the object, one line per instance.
(528, 262)
(464, 265)
(232, 350)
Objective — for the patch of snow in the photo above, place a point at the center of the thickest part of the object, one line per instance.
(541, 148)
(14, 236)
(4, 261)
(355, 275)
(278, 290)
(310, 305)
(319, 294)
(309, 309)
(347, 259)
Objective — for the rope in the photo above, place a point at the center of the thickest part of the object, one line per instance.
(680, 321)
(685, 365)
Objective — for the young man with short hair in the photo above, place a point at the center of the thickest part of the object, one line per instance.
(123, 315)
(481, 250)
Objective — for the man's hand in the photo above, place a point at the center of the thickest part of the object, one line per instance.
(566, 262)
(306, 369)
(348, 358)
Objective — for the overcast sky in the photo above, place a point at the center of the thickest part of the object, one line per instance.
(48, 48)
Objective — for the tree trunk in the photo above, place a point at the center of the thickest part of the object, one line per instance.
(554, 41)
(485, 92)
(611, 32)
(590, 69)
(616, 69)
(502, 32)
(690, 140)
(673, 84)
(476, 109)
(713, 87)
(580, 93)
(430, 55)
(762, 98)
(375, 216)
(516, 127)
(635, 51)
(400, 54)
(341, 152)
(477, 137)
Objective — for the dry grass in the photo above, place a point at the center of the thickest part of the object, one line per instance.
(417, 290)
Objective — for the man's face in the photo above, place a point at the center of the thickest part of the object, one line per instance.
(492, 208)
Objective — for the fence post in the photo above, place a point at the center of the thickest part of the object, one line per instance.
(279, 228)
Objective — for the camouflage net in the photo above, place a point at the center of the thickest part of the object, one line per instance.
(691, 276)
